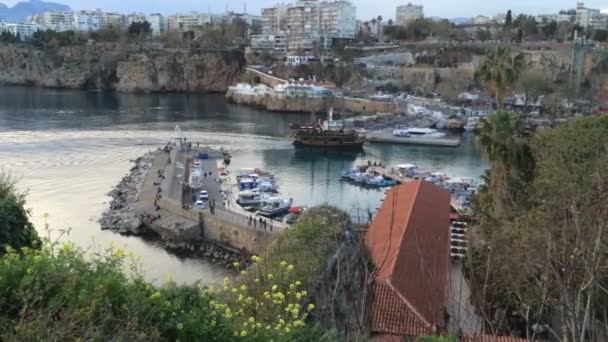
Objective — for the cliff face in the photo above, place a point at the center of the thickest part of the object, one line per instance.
(98, 67)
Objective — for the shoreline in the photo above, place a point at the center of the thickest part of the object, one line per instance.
(132, 212)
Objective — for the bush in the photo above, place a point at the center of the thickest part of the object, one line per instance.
(16, 230)
(59, 292)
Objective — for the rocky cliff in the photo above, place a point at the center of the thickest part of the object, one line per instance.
(106, 68)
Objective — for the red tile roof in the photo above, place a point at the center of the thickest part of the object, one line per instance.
(409, 242)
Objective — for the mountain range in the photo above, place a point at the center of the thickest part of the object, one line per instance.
(21, 10)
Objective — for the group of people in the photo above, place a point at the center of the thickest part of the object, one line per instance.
(263, 223)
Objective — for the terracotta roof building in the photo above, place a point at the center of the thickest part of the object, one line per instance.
(409, 243)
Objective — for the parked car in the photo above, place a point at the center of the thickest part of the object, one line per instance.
(204, 195)
(199, 204)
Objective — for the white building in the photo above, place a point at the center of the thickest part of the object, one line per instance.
(338, 19)
(600, 22)
(158, 24)
(88, 21)
(113, 19)
(303, 25)
(274, 19)
(500, 18)
(584, 15)
(24, 31)
(269, 43)
(307, 23)
(563, 16)
(190, 21)
(408, 13)
(481, 20)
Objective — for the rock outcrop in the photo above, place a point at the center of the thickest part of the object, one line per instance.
(104, 67)
(120, 216)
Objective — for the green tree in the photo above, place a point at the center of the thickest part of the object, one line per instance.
(549, 261)
(499, 72)
(534, 83)
(139, 30)
(600, 35)
(16, 230)
(505, 145)
(509, 20)
(549, 30)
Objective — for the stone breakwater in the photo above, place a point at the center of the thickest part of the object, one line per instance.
(216, 254)
(121, 216)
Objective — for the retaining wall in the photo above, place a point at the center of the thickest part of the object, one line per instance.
(222, 227)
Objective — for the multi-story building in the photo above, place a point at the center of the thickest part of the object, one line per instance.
(585, 15)
(190, 21)
(303, 24)
(408, 13)
(338, 19)
(113, 19)
(58, 21)
(254, 22)
(563, 16)
(158, 24)
(23, 31)
(481, 20)
(274, 19)
(600, 22)
(269, 43)
(88, 21)
(307, 23)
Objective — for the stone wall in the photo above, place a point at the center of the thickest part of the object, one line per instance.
(364, 106)
(235, 235)
(231, 233)
(266, 79)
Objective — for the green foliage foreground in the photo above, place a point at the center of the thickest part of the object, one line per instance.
(61, 292)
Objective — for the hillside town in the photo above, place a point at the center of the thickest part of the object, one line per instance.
(312, 172)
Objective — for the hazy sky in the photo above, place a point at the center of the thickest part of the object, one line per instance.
(365, 8)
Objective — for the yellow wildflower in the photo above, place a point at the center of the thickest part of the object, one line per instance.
(236, 264)
(311, 307)
(243, 333)
(274, 287)
(180, 326)
(290, 268)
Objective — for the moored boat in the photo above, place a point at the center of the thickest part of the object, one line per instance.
(273, 206)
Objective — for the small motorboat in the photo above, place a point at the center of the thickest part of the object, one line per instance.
(274, 205)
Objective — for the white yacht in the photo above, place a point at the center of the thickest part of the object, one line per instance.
(249, 198)
(274, 205)
(418, 133)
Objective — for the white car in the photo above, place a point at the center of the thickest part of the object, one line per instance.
(197, 164)
(199, 204)
(204, 196)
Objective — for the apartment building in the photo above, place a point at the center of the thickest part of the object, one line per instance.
(338, 19)
(269, 43)
(24, 31)
(309, 23)
(88, 21)
(584, 15)
(158, 24)
(190, 21)
(303, 24)
(274, 19)
(408, 13)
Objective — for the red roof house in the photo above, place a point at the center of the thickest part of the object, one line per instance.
(409, 243)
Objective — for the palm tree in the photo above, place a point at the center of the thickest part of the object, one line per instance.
(504, 143)
(499, 72)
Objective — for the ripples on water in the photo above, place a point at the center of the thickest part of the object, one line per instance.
(69, 148)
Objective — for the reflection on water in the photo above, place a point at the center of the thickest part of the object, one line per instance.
(69, 148)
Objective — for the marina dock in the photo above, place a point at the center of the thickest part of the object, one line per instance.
(402, 180)
(388, 137)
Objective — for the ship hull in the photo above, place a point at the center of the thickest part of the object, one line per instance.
(357, 145)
